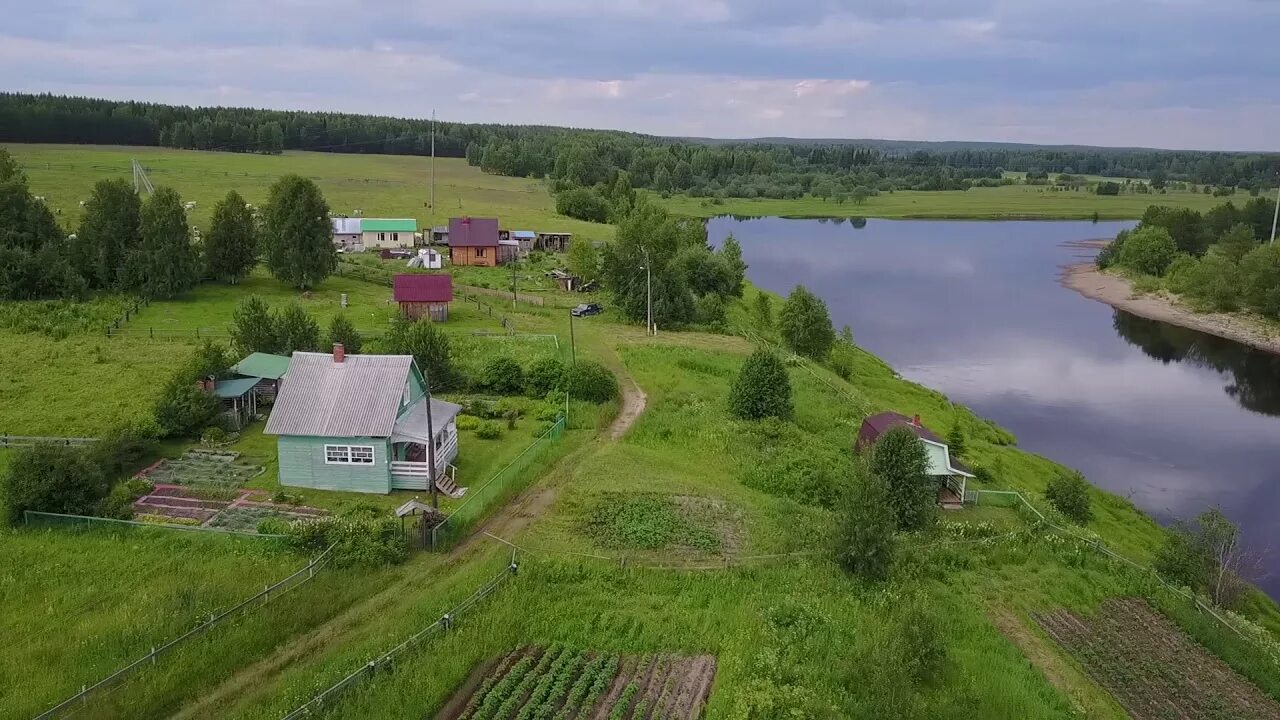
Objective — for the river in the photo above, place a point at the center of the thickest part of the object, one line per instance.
(1174, 419)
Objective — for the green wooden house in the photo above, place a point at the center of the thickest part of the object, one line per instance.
(359, 423)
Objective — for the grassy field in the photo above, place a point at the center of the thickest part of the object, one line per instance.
(380, 185)
(1008, 202)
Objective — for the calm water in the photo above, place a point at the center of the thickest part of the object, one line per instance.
(1175, 419)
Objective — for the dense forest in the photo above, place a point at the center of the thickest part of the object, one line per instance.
(770, 168)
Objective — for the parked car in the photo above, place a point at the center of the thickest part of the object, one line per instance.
(586, 309)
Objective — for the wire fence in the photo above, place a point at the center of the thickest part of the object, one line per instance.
(22, 441)
(34, 518)
(385, 660)
(718, 562)
(259, 599)
(133, 309)
(500, 487)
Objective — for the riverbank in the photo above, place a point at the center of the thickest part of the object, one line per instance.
(1116, 291)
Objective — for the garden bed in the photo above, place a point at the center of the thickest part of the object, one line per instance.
(191, 505)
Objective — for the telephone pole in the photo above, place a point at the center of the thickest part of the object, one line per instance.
(433, 163)
(1275, 215)
(648, 291)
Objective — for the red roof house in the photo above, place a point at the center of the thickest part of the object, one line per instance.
(420, 294)
(950, 472)
(476, 241)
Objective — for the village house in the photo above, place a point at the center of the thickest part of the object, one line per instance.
(476, 241)
(420, 295)
(359, 423)
(377, 233)
(949, 472)
(553, 241)
(524, 240)
(346, 234)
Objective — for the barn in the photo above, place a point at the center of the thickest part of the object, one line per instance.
(420, 295)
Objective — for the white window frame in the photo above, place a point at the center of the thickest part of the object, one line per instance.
(349, 455)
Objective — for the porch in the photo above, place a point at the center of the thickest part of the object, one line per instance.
(951, 491)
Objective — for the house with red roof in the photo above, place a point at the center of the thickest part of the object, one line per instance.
(421, 295)
(949, 472)
(477, 241)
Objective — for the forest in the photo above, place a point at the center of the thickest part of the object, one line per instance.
(748, 168)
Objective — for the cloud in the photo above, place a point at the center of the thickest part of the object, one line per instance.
(1199, 74)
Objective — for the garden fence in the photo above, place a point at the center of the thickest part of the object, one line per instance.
(444, 624)
(499, 488)
(128, 313)
(20, 441)
(33, 518)
(257, 600)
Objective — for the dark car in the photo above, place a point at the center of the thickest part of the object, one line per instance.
(586, 309)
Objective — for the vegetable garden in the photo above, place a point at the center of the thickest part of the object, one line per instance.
(559, 683)
(1152, 667)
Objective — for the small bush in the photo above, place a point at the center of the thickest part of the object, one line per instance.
(213, 436)
(544, 375)
(590, 381)
(119, 502)
(489, 430)
(921, 642)
(273, 526)
(362, 536)
(467, 422)
(52, 478)
(762, 388)
(502, 376)
(1068, 493)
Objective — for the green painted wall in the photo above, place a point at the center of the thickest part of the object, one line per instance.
(302, 465)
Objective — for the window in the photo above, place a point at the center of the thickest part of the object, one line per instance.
(479, 252)
(348, 454)
(395, 237)
(382, 237)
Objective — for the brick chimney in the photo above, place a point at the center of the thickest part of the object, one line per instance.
(339, 353)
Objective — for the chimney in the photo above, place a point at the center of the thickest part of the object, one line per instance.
(916, 421)
(339, 353)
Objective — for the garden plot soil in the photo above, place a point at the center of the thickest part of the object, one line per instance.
(569, 684)
(187, 505)
(1153, 668)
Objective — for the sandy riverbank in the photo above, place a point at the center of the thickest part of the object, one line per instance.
(1086, 279)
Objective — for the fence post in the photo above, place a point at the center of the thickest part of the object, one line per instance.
(153, 654)
(153, 333)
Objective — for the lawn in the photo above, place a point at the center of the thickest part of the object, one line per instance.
(1007, 202)
(379, 185)
(75, 605)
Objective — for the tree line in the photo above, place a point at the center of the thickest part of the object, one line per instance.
(587, 157)
(128, 244)
(1221, 260)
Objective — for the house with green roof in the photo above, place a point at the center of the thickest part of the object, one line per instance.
(379, 233)
(266, 370)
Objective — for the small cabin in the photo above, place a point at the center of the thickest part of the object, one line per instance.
(949, 472)
(268, 370)
(421, 295)
(476, 241)
(553, 241)
(524, 240)
(440, 235)
(362, 423)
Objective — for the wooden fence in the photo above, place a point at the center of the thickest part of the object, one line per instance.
(20, 441)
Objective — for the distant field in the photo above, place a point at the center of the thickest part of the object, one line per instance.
(1007, 202)
(380, 185)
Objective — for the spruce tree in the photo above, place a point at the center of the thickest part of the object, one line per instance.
(762, 388)
(253, 329)
(231, 245)
(866, 530)
(342, 331)
(297, 233)
(899, 459)
(296, 331)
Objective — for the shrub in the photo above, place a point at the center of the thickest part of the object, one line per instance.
(1148, 250)
(214, 436)
(842, 360)
(362, 536)
(467, 422)
(124, 449)
(489, 430)
(590, 381)
(184, 408)
(502, 376)
(1068, 493)
(273, 526)
(899, 459)
(789, 462)
(544, 375)
(921, 643)
(866, 532)
(52, 478)
(762, 388)
(119, 501)
(805, 324)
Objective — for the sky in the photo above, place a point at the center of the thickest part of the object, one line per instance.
(1202, 74)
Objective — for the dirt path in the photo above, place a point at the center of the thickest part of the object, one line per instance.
(633, 402)
(1116, 291)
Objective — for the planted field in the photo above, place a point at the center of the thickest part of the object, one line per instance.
(1152, 667)
(563, 684)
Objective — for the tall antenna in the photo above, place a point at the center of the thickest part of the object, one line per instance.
(140, 180)
(433, 162)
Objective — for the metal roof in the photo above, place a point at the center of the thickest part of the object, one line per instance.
(389, 225)
(473, 232)
(262, 365)
(412, 426)
(345, 226)
(418, 287)
(524, 234)
(359, 397)
(885, 420)
(234, 387)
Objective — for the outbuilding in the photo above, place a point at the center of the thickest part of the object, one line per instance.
(268, 370)
(950, 473)
(423, 295)
(377, 233)
(359, 423)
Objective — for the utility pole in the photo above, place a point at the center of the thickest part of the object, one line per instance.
(433, 163)
(431, 445)
(648, 291)
(514, 293)
(573, 342)
(1276, 215)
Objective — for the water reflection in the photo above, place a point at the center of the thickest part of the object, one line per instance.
(1255, 375)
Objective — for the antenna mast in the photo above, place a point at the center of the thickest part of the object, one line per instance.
(140, 180)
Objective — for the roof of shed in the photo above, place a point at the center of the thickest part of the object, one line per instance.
(234, 387)
(359, 397)
(389, 225)
(262, 365)
(418, 287)
(524, 234)
(473, 232)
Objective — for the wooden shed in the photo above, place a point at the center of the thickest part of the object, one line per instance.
(475, 241)
(420, 295)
